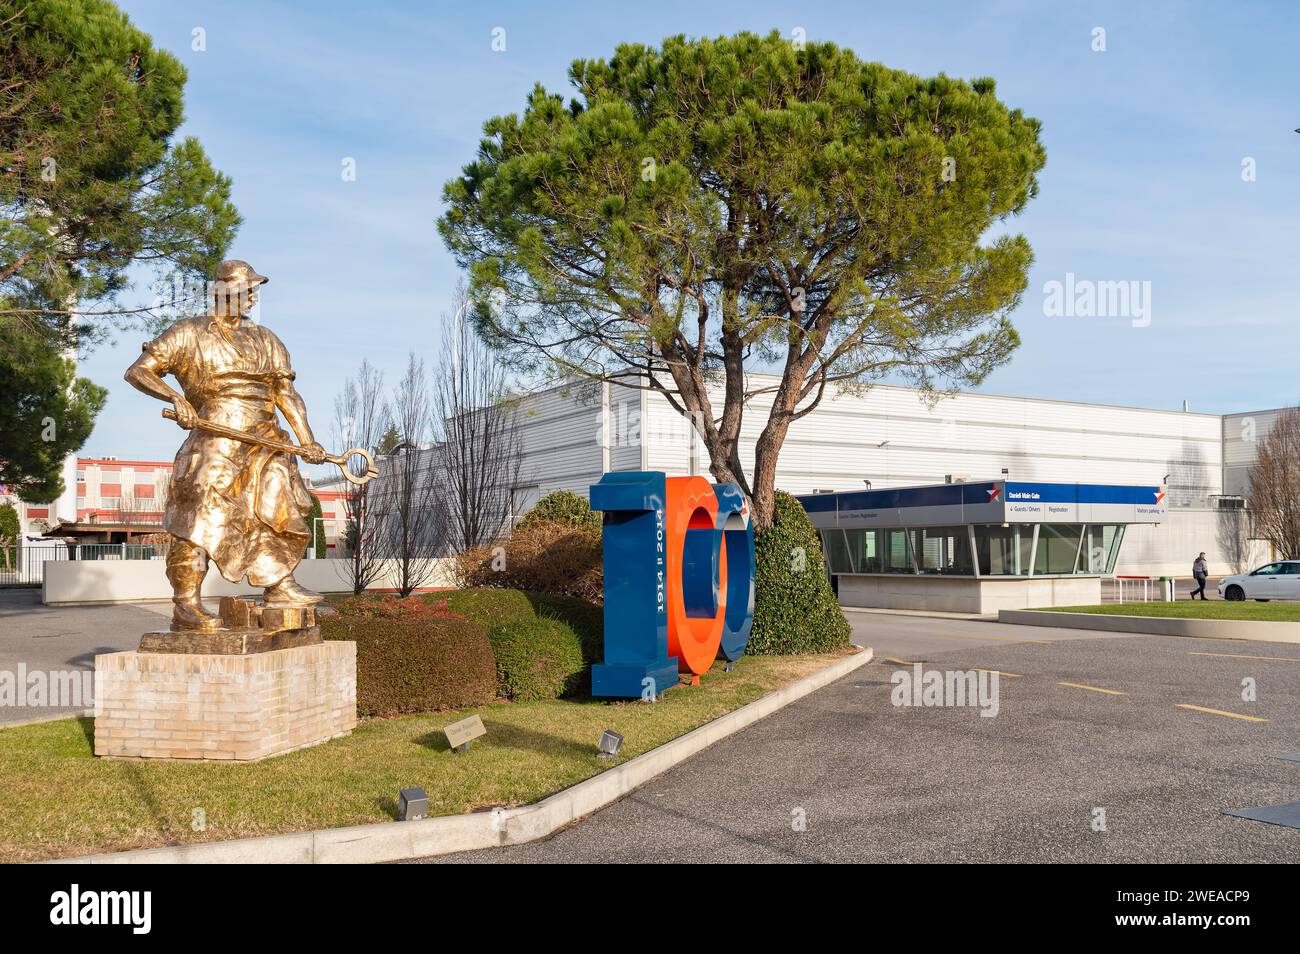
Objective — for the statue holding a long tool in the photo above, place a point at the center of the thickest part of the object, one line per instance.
(236, 495)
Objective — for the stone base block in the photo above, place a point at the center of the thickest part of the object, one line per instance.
(247, 626)
(224, 706)
(228, 642)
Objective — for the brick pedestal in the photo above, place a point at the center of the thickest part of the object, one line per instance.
(242, 707)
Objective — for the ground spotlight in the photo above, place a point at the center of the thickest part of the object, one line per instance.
(610, 743)
(412, 803)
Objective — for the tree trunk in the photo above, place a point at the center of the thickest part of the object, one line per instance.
(766, 452)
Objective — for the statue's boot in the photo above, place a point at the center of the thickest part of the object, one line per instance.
(187, 565)
(289, 592)
(189, 615)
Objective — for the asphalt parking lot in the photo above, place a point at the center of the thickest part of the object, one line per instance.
(876, 782)
(59, 638)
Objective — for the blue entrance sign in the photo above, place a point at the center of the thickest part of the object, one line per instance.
(679, 580)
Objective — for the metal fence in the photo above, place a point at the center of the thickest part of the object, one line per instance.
(26, 567)
(1137, 589)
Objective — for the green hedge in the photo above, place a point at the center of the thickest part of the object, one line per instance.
(537, 659)
(563, 507)
(417, 665)
(794, 608)
(490, 607)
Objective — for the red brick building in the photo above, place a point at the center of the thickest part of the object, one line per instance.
(122, 501)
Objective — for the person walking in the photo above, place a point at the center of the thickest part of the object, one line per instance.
(1200, 570)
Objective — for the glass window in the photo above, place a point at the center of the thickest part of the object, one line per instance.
(943, 550)
(1272, 569)
(897, 558)
(1026, 537)
(1058, 548)
(837, 554)
(1100, 547)
(864, 550)
(999, 550)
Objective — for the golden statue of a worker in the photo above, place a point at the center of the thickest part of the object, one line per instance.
(234, 500)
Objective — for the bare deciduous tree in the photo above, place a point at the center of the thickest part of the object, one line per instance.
(408, 506)
(480, 454)
(360, 420)
(132, 506)
(1275, 485)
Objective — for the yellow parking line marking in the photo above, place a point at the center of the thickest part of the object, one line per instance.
(1079, 685)
(1293, 659)
(1219, 712)
(999, 639)
(894, 660)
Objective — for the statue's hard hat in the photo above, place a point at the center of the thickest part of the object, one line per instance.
(234, 270)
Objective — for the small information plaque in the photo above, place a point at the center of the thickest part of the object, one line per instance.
(461, 734)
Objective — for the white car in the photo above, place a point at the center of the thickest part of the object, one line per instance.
(1275, 581)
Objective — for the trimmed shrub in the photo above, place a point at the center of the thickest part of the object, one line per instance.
(566, 509)
(546, 558)
(491, 607)
(416, 665)
(392, 606)
(537, 659)
(794, 608)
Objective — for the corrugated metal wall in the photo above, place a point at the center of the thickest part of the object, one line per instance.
(563, 433)
(893, 437)
(1241, 436)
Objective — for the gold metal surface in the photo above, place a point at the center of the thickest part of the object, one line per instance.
(236, 495)
(341, 460)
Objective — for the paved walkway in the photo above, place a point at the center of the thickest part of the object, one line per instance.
(875, 782)
(58, 639)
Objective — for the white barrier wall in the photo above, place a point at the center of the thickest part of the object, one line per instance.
(965, 594)
(122, 581)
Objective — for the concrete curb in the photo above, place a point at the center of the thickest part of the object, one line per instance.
(927, 614)
(49, 717)
(1264, 631)
(398, 841)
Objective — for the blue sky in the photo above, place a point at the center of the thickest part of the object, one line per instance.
(1145, 146)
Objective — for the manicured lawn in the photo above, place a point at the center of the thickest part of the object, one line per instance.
(57, 799)
(1187, 609)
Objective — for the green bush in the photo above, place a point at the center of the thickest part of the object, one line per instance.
(417, 665)
(565, 508)
(537, 659)
(315, 529)
(490, 607)
(8, 536)
(794, 608)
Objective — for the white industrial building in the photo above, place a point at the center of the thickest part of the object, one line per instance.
(894, 436)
